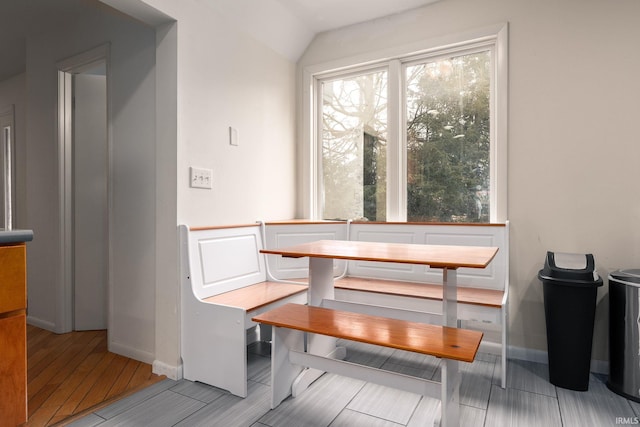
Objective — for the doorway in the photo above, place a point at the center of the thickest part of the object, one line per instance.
(84, 165)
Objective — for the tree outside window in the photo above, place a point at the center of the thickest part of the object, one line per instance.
(447, 104)
(354, 127)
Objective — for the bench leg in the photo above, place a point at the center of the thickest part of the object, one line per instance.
(283, 372)
(325, 347)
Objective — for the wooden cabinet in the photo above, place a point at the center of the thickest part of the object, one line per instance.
(13, 335)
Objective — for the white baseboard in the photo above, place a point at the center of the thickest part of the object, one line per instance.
(600, 366)
(130, 352)
(540, 356)
(170, 371)
(42, 324)
(527, 354)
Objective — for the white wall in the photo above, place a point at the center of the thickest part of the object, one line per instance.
(13, 92)
(132, 100)
(573, 140)
(224, 78)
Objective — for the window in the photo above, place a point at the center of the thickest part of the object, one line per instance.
(419, 137)
(354, 128)
(448, 138)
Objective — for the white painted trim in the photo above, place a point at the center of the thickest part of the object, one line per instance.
(140, 10)
(167, 265)
(173, 372)
(64, 304)
(131, 352)
(84, 60)
(7, 121)
(396, 146)
(316, 151)
(600, 366)
(420, 47)
(306, 168)
(499, 128)
(541, 356)
(66, 67)
(40, 323)
(528, 354)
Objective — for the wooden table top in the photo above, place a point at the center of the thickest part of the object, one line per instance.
(437, 256)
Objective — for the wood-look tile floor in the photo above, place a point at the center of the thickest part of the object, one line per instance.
(528, 400)
(68, 374)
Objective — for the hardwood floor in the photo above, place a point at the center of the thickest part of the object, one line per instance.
(71, 374)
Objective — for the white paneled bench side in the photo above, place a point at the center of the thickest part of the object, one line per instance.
(223, 285)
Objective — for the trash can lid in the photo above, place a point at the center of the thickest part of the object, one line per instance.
(570, 261)
(630, 276)
(568, 266)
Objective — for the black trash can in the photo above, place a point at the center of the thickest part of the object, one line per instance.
(624, 333)
(570, 284)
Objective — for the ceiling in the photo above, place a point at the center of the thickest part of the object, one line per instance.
(324, 15)
(21, 17)
(287, 26)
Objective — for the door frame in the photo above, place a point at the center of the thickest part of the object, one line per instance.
(66, 69)
(7, 119)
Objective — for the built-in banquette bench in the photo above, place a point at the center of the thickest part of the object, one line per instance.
(223, 285)
(406, 291)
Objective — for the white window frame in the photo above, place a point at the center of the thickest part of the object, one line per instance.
(493, 38)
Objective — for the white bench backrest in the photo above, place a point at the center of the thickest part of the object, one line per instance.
(222, 259)
(492, 277)
(289, 234)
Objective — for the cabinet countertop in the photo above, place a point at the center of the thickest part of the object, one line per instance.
(15, 236)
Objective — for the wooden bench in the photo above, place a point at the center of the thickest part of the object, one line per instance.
(405, 291)
(288, 357)
(223, 285)
(490, 298)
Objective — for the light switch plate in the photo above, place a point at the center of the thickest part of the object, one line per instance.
(200, 177)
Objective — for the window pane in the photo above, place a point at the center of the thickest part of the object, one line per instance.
(448, 139)
(354, 143)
